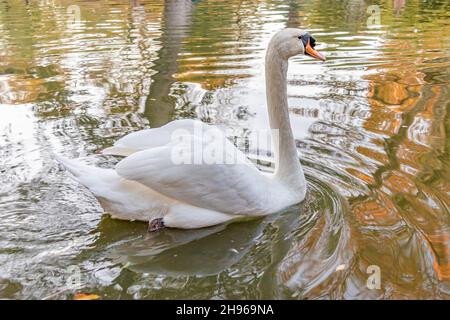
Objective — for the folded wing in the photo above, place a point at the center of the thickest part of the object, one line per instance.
(156, 137)
(210, 174)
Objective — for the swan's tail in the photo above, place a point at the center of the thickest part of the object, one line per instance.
(99, 180)
(76, 167)
(123, 199)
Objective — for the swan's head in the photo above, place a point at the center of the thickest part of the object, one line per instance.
(290, 42)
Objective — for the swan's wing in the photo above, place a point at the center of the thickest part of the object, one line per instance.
(236, 187)
(156, 137)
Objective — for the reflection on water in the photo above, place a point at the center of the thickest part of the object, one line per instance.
(370, 125)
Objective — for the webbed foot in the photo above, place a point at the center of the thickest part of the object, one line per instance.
(155, 225)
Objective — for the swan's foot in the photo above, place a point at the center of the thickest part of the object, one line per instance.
(155, 225)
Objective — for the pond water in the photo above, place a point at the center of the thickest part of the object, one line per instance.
(371, 126)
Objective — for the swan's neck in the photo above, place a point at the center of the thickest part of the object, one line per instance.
(287, 165)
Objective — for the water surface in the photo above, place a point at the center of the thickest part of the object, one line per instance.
(371, 126)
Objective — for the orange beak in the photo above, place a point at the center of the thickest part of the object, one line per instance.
(313, 53)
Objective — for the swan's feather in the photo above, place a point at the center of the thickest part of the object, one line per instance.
(155, 137)
(119, 151)
(237, 188)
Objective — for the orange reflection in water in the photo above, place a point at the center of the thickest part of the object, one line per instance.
(406, 109)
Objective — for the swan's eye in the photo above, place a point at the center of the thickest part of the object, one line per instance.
(304, 39)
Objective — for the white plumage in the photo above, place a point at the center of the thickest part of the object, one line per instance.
(189, 175)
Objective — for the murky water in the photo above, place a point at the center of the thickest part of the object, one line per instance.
(371, 125)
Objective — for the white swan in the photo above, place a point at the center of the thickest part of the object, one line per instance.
(150, 184)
